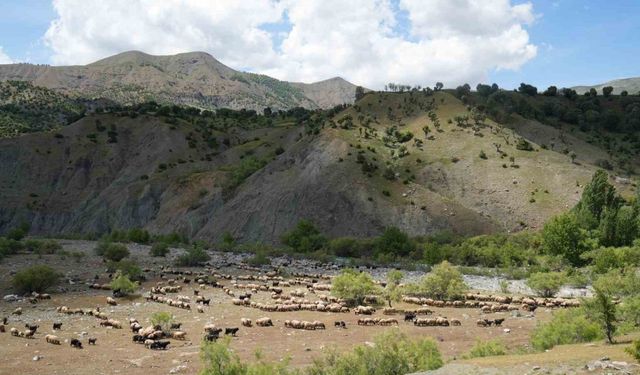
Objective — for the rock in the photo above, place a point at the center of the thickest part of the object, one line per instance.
(536, 368)
(37, 357)
(177, 369)
(10, 298)
(506, 330)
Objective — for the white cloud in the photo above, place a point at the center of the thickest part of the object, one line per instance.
(4, 58)
(452, 41)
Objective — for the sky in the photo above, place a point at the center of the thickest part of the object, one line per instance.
(368, 42)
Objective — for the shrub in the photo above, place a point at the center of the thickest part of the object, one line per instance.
(35, 279)
(122, 284)
(159, 249)
(128, 268)
(139, 235)
(602, 309)
(9, 246)
(162, 319)
(443, 282)
(634, 350)
(42, 246)
(195, 256)
(353, 286)
(260, 258)
(115, 252)
(487, 349)
(394, 241)
(392, 354)
(16, 234)
(304, 238)
(349, 247)
(546, 284)
(568, 326)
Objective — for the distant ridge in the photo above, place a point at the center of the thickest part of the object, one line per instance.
(631, 85)
(193, 78)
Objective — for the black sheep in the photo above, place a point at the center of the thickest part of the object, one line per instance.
(139, 339)
(57, 326)
(175, 325)
(211, 337)
(231, 331)
(159, 345)
(76, 343)
(92, 340)
(31, 327)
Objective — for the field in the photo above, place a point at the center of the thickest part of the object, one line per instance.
(116, 353)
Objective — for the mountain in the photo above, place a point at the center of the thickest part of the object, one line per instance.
(422, 162)
(194, 79)
(631, 85)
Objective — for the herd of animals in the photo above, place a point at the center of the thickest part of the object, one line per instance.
(241, 289)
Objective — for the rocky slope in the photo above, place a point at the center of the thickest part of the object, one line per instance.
(195, 79)
(348, 173)
(631, 85)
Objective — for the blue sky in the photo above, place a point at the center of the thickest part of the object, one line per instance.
(578, 42)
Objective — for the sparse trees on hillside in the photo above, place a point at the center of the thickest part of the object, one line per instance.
(551, 91)
(606, 91)
(528, 89)
(359, 93)
(438, 86)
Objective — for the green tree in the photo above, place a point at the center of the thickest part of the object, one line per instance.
(159, 249)
(353, 286)
(602, 309)
(122, 284)
(35, 279)
(546, 284)
(443, 282)
(162, 319)
(394, 241)
(193, 257)
(598, 195)
(359, 92)
(304, 238)
(563, 236)
(115, 252)
(606, 91)
(551, 91)
(392, 289)
(626, 226)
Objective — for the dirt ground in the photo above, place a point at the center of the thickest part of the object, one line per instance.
(116, 353)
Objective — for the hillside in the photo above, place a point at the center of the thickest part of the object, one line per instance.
(392, 159)
(27, 108)
(631, 85)
(195, 79)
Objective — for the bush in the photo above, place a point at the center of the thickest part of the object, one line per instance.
(304, 238)
(159, 249)
(395, 242)
(349, 247)
(139, 235)
(634, 350)
(443, 282)
(195, 256)
(568, 326)
(260, 258)
(16, 234)
(162, 319)
(9, 247)
(487, 349)
(122, 284)
(35, 279)
(546, 284)
(42, 246)
(128, 268)
(114, 252)
(353, 286)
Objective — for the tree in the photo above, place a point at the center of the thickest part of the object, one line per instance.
(563, 236)
(463, 90)
(115, 252)
(304, 238)
(35, 279)
(606, 91)
(570, 94)
(394, 241)
(546, 284)
(195, 256)
(598, 195)
(359, 92)
(528, 89)
(392, 291)
(443, 282)
(438, 86)
(592, 92)
(353, 286)
(159, 249)
(122, 285)
(624, 93)
(602, 309)
(551, 91)
(162, 319)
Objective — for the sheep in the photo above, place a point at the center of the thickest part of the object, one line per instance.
(200, 309)
(246, 322)
(2, 329)
(481, 323)
(111, 301)
(31, 327)
(17, 311)
(14, 331)
(76, 343)
(139, 339)
(159, 345)
(28, 334)
(365, 310)
(175, 325)
(5, 321)
(57, 326)
(231, 331)
(456, 322)
(51, 339)
(264, 322)
(498, 322)
(409, 316)
(340, 324)
(211, 337)
(179, 335)
(92, 340)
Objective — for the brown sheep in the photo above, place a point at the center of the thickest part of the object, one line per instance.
(51, 339)
(246, 322)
